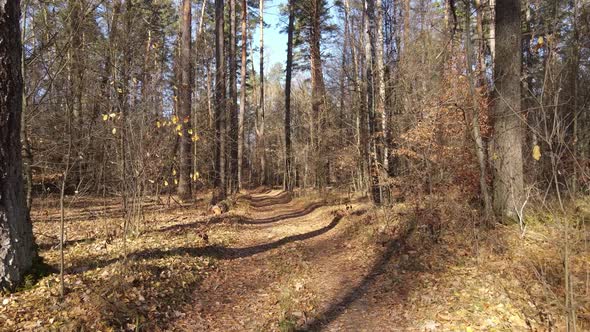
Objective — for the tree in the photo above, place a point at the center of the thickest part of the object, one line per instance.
(233, 100)
(243, 87)
(380, 102)
(317, 12)
(261, 105)
(290, 31)
(16, 234)
(375, 118)
(185, 101)
(507, 153)
(220, 103)
(472, 116)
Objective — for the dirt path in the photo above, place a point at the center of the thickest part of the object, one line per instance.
(306, 265)
(291, 266)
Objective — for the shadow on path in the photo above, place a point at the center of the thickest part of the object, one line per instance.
(332, 312)
(214, 251)
(295, 214)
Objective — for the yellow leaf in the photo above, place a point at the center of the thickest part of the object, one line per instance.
(165, 183)
(536, 152)
(186, 119)
(174, 119)
(180, 133)
(178, 127)
(112, 115)
(158, 124)
(114, 131)
(173, 172)
(105, 117)
(119, 90)
(540, 41)
(190, 131)
(175, 181)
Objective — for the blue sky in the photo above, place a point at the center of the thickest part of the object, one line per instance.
(275, 42)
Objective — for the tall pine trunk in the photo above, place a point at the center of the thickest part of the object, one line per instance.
(374, 120)
(507, 154)
(220, 103)
(380, 102)
(262, 141)
(185, 94)
(291, 28)
(16, 233)
(317, 91)
(233, 100)
(243, 87)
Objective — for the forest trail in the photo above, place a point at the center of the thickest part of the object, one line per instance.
(295, 268)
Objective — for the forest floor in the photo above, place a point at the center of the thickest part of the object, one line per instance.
(281, 263)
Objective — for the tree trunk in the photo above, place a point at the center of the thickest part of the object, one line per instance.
(472, 119)
(317, 90)
(508, 165)
(233, 95)
(262, 141)
(380, 102)
(76, 82)
(492, 19)
(27, 151)
(374, 120)
(220, 103)
(185, 100)
(243, 87)
(482, 43)
(361, 114)
(291, 28)
(16, 233)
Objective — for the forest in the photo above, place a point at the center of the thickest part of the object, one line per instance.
(294, 165)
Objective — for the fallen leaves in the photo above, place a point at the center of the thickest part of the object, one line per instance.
(101, 292)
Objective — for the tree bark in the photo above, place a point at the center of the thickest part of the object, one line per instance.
(318, 91)
(220, 104)
(185, 99)
(472, 119)
(27, 151)
(374, 120)
(507, 157)
(291, 28)
(262, 142)
(16, 234)
(380, 104)
(361, 114)
(76, 81)
(233, 100)
(243, 87)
